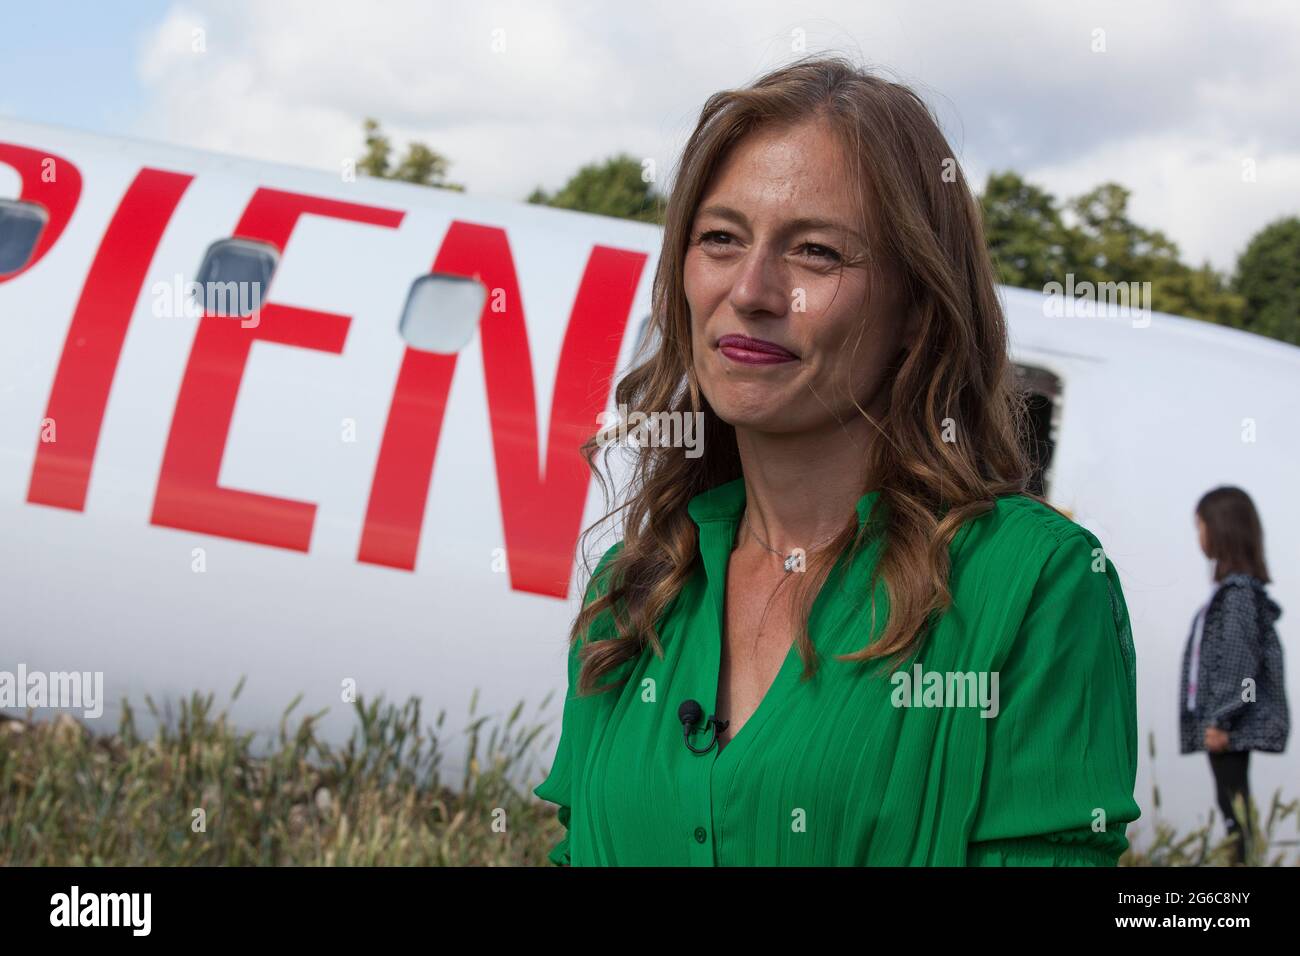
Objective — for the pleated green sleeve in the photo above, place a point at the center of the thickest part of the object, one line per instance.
(557, 788)
(1061, 760)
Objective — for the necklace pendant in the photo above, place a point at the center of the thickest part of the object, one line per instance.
(791, 562)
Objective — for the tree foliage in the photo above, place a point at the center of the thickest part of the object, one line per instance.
(420, 165)
(1268, 279)
(1035, 240)
(617, 187)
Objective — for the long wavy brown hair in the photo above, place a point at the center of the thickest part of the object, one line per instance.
(956, 376)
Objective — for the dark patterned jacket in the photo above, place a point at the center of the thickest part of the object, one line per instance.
(1239, 641)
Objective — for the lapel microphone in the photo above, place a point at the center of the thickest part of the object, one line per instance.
(689, 714)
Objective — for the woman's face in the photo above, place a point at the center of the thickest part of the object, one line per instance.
(777, 255)
(1201, 536)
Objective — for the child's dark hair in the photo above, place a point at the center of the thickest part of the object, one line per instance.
(1234, 535)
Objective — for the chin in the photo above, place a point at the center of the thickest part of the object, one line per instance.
(764, 416)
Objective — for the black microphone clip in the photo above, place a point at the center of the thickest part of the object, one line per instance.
(689, 713)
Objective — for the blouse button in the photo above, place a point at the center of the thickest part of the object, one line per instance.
(700, 835)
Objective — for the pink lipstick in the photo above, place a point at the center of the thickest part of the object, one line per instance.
(750, 351)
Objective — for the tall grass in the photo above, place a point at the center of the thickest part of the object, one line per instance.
(1270, 843)
(200, 792)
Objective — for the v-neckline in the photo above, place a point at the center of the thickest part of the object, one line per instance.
(719, 637)
(717, 513)
(779, 688)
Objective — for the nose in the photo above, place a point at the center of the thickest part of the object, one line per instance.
(758, 284)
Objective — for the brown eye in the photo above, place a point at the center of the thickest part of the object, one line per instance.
(713, 237)
(819, 251)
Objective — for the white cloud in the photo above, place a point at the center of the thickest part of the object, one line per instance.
(1181, 94)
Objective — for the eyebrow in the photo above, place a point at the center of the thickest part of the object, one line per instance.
(803, 222)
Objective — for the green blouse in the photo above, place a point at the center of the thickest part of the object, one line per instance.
(1009, 739)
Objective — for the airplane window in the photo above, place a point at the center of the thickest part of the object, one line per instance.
(442, 312)
(234, 276)
(1041, 391)
(21, 224)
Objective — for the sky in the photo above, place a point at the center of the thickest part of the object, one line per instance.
(1174, 100)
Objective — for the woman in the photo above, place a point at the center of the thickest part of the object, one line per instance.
(904, 658)
(1233, 696)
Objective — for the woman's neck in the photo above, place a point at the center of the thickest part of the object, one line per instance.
(800, 489)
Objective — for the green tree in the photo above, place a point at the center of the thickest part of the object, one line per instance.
(1033, 244)
(1268, 279)
(375, 161)
(1111, 247)
(1025, 234)
(615, 187)
(420, 165)
(1202, 293)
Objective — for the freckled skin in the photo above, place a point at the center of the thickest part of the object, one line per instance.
(746, 283)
